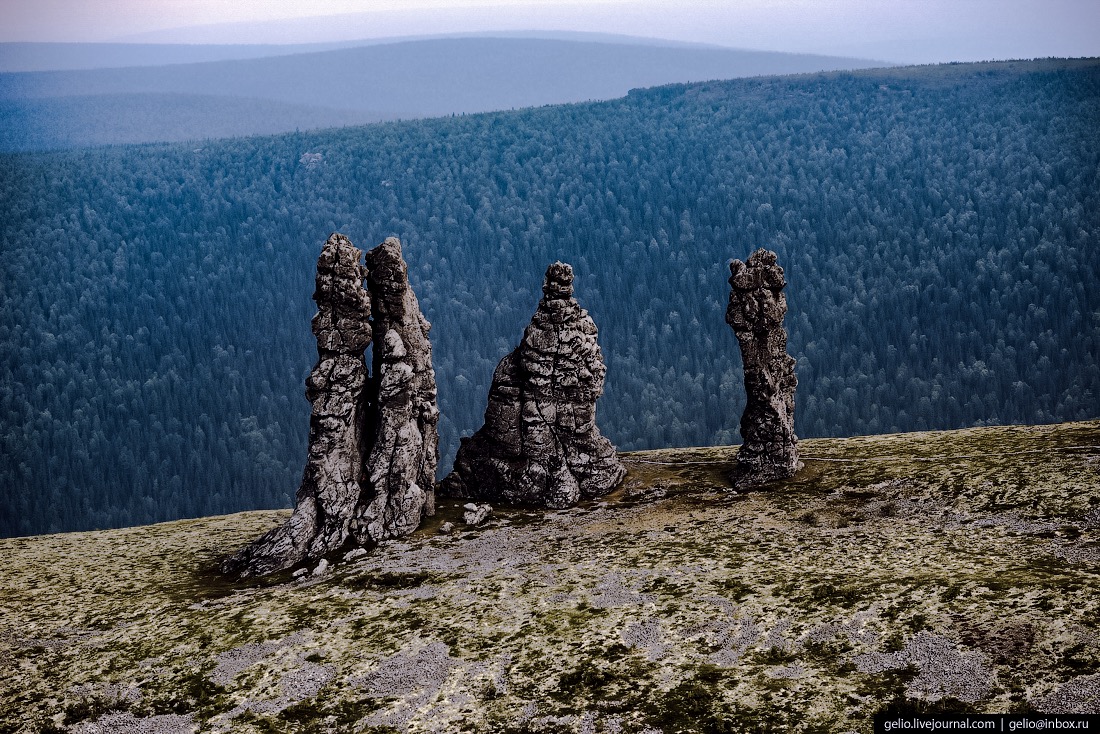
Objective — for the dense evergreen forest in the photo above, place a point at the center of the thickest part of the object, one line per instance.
(939, 226)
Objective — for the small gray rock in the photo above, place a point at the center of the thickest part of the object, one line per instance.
(351, 555)
(447, 527)
(321, 567)
(477, 514)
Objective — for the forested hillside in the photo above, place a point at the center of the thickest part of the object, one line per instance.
(939, 226)
(112, 119)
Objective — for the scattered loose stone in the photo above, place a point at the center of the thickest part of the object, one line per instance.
(355, 553)
(613, 592)
(321, 567)
(232, 662)
(1081, 695)
(647, 635)
(414, 679)
(476, 514)
(447, 527)
(757, 305)
(736, 645)
(122, 695)
(855, 631)
(944, 671)
(540, 445)
(127, 723)
(299, 684)
(296, 685)
(406, 673)
(777, 639)
(794, 671)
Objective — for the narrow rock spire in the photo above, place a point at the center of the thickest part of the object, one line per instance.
(756, 309)
(400, 466)
(540, 444)
(330, 487)
(373, 445)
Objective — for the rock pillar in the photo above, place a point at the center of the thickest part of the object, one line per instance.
(373, 444)
(402, 415)
(540, 445)
(756, 309)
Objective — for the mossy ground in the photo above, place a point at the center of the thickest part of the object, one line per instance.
(673, 604)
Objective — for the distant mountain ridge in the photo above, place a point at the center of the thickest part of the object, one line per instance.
(404, 80)
(45, 56)
(113, 119)
(31, 57)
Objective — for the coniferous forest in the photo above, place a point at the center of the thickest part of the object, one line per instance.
(939, 227)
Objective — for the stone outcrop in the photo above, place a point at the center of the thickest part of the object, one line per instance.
(757, 305)
(402, 414)
(539, 444)
(372, 441)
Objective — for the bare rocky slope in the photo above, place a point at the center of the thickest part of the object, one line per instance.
(930, 571)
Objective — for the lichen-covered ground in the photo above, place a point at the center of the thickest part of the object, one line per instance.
(918, 572)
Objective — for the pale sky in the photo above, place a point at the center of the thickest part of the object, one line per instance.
(894, 30)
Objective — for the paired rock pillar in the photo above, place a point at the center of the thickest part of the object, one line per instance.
(373, 445)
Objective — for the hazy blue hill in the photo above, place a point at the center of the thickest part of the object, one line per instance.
(405, 80)
(26, 56)
(37, 56)
(939, 227)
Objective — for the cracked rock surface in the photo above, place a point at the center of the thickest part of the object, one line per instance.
(330, 488)
(402, 415)
(540, 445)
(756, 309)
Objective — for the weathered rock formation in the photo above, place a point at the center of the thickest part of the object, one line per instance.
(372, 441)
(402, 415)
(540, 445)
(756, 309)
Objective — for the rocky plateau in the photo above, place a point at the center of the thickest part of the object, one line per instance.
(938, 571)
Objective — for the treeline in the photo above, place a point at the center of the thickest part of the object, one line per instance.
(939, 226)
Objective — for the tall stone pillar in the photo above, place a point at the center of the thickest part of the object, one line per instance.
(756, 309)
